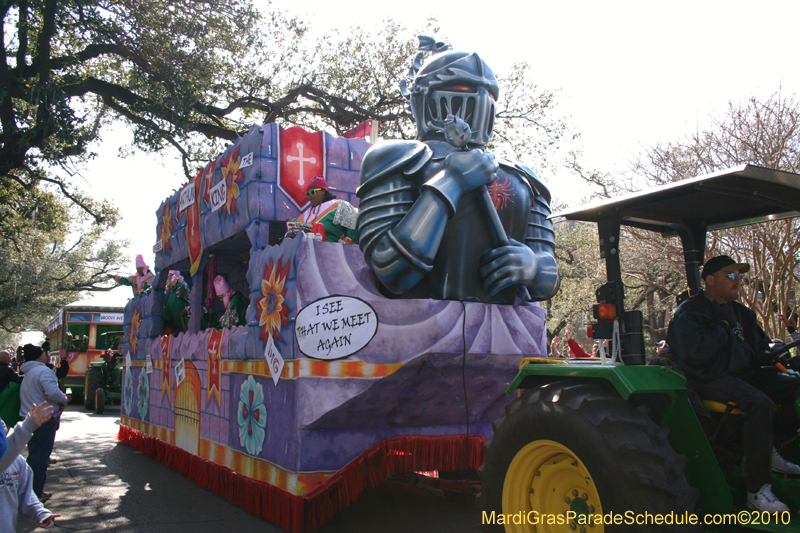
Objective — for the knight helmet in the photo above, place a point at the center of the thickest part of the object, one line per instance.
(453, 83)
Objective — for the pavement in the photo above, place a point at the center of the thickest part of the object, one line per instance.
(99, 484)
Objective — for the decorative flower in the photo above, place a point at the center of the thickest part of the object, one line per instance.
(232, 175)
(127, 392)
(166, 227)
(252, 416)
(136, 321)
(501, 193)
(273, 313)
(143, 393)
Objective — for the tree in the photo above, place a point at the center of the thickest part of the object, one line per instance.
(9, 340)
(580, 273)
(764, 133)
(192, 74)
(528, 126)
(47, 256)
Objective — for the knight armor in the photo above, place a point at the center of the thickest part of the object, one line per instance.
(422, 226)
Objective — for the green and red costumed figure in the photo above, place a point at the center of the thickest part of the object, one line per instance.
(337, 216)
(140, 281)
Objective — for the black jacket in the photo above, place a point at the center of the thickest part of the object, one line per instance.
(707, 347)
(62, 369)
(7, 375)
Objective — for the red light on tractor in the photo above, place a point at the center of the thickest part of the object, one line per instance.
(589, 332)
(604, 311)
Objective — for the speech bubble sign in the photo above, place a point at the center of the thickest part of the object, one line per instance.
(335, 327)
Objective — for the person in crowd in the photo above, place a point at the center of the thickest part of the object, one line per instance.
(338, 217)
(235, 304)
(7, 373)
(63, 367)
(576, 350)
(140, 281)
(720, 347)
(16, 479)
(40, 386)
(18, 436)
(554, 347)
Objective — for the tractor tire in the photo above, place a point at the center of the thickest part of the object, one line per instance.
(92, 381)
(580, 447)
(100, 401)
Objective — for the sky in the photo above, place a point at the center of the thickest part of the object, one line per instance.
(627, 74)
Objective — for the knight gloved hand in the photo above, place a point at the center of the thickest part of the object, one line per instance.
(508, 265)
(471, 169)
(461, 173)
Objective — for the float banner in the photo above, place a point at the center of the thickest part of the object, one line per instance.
(302, 157)
(194, 242)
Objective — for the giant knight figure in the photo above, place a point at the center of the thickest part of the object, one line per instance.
(425, 219)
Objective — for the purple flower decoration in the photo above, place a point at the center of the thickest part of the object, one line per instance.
(252, 416)
(144, 394)
(127, 392)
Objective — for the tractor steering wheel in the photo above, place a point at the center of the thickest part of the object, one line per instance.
(776, 355)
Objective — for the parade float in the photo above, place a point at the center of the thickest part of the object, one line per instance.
(334, 383)
(344, 364)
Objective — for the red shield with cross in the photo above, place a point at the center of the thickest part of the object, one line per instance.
(301, 158)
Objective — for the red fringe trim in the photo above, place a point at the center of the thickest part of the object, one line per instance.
(298, 514)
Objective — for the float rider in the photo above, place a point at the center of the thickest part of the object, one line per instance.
(235, 304)
(175, 311)
(140, 281)
(337, 216)
(720, 347)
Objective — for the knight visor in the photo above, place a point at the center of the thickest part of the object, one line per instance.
(457, 83)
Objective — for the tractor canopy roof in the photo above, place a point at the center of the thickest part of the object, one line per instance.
(736, 196)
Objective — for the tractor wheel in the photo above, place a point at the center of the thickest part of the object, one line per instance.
(100, 401)
(92, 381)
(580, 447)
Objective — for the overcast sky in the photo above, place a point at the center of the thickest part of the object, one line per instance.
(628, 74)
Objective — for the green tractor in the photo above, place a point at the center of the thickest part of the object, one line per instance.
(103, 379)
(615, 444)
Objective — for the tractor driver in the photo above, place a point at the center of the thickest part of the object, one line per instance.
(719, 345)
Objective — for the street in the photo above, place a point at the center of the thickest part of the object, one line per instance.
(100, 484)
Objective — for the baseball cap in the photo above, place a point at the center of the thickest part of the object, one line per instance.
(723, 263)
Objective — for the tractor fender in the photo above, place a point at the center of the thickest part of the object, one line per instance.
(668, 398)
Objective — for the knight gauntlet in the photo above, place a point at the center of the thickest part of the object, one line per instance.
(461, 173)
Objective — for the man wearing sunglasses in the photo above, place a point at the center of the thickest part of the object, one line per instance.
(720, 347)
(338, 217)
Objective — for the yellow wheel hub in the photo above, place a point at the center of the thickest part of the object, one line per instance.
(548, 489)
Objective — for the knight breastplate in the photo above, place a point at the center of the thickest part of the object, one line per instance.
(456, 269)
(393, 175)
